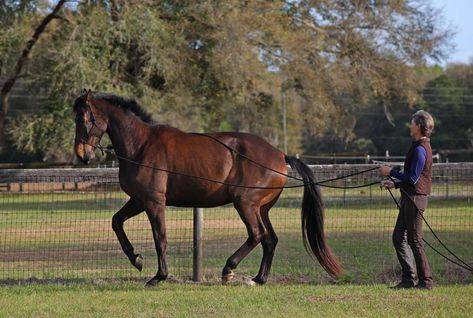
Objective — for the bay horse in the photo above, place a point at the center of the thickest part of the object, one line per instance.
(160, 165)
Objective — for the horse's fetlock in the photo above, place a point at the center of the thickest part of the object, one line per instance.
(231, 264)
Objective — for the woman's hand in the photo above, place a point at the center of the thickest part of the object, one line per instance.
(385, 170)
(387, 184)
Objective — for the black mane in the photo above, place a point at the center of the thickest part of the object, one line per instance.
(124, 103)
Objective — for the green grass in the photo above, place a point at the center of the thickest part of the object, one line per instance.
(105, 299)
(69, 235)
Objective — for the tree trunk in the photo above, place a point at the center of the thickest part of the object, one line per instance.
(22, 61)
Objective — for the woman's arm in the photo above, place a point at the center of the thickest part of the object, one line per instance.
(417, 165)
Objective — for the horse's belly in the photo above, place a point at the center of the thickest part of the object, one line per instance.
(197, 197)
(182, 192)
(196, 204)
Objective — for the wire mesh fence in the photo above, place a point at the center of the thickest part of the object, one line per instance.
(56, 224)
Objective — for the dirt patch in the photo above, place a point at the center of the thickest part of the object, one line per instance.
(34, 280)
(60, 230)
(389, 274)
(457, 274)
(56, 256)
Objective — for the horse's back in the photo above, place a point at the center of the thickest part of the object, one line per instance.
(216, 168)
(253, 149)
(257, 164)
(222, 145)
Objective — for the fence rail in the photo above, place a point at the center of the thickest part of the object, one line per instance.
(56, 224)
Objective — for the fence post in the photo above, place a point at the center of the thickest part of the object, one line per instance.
(197, 250)
(446, 187)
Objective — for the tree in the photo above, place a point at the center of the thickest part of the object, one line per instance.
(462, 75)
(361, 53)
(126, 55)
(444, 99)
(211, 65)
(21, 63)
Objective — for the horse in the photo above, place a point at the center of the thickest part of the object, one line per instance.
(161, 166)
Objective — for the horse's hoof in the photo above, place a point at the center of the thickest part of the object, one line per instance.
(156, 280)
(258, 280)
(138, 262)
(152, 282)
(249, 282)
(228, 277)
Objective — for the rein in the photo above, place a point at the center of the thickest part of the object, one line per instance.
(460, 262)
(319, 183)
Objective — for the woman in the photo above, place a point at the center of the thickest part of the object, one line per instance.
(415, 184)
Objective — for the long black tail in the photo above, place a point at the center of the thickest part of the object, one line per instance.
(312, 218)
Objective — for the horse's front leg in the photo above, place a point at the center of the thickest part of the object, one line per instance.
(129, 210)
(156, 215)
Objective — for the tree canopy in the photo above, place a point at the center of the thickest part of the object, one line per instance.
(224, 65)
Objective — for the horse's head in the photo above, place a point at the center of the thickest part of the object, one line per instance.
(90, 126)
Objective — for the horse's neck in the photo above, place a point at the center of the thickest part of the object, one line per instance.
(128, 135)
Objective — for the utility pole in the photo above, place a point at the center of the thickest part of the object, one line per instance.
(284, 121)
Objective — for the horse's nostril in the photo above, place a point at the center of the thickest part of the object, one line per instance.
(85, 158)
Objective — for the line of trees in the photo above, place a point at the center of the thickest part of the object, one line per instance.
(448, 96)
(211, 65)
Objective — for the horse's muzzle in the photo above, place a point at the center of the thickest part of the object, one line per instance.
(84, 152)
(85, 159)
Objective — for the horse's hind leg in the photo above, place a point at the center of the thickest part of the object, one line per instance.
(269, 242)
(156, 215)
(249, 214)
(129, 210)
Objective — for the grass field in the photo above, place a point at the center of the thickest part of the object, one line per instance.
(132, 299)
(59, 258)
(68, 235)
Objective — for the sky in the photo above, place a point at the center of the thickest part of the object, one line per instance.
(459, 13)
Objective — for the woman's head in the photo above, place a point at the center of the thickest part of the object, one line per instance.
(424, 121)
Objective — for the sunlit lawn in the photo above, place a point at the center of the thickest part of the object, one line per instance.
(69, 235)
(105, 299)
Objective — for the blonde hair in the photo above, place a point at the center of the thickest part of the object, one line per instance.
(426, 122)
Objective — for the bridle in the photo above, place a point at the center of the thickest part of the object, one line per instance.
(93, 131)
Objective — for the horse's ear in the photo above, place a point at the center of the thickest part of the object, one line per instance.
(87, 95)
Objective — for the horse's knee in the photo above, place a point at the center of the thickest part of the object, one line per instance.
(117, 223)
(274, 238)
(257, 238)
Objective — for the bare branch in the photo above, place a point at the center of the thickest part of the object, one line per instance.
(22, 61)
